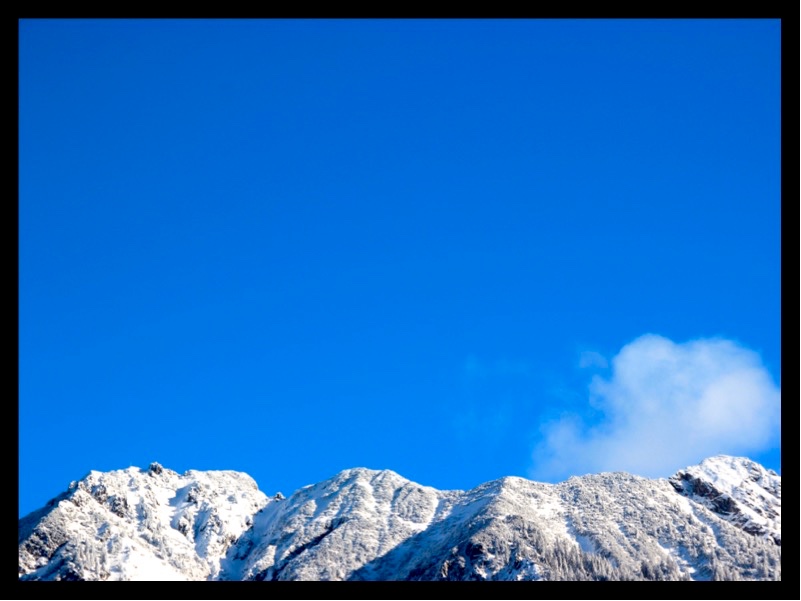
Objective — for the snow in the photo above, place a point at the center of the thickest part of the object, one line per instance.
(679, 557)
(140, 565)
(156, 524)
(738, 490)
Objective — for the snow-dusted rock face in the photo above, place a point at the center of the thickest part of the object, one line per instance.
(738, 490)
(375, 525)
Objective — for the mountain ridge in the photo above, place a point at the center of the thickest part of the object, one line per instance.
(718, 520)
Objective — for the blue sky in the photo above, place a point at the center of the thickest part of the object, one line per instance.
(455, 249)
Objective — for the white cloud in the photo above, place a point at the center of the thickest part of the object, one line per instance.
(666, 405)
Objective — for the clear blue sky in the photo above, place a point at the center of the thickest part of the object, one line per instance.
(293, 247)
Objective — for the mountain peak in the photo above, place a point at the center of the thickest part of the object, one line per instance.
(737, 489)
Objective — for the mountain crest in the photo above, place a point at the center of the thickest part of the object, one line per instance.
(718, 520)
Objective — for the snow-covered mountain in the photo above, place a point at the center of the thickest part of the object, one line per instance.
(717, 520)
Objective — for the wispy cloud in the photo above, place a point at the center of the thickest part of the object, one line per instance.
(592, 359)
(666, 405)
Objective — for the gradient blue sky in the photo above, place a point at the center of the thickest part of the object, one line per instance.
(293, 247)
